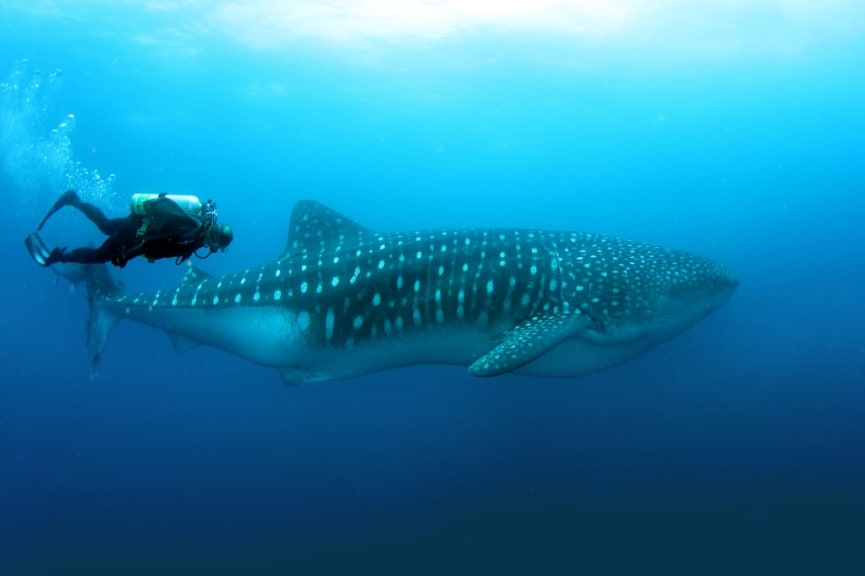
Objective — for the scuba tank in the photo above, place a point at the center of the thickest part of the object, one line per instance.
(139, 204)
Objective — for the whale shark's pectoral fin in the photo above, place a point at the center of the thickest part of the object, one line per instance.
(295, 376)
(181, 344)
(528, 341)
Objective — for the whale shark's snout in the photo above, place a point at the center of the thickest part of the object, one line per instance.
(724, 282)
(692, 288)
(709, 282)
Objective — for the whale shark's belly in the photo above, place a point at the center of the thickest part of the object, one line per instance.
(456, 346)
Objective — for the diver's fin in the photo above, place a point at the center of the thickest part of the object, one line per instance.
(68, 198)
(37, 249)
(528, 341)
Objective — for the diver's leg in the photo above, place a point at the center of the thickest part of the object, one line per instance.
(78, 256)
(105, 224)
(93, 213)
(112, 250)
(68, 198)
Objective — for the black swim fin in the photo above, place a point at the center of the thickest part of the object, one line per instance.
(39, 252)
(37, 249)
(68, 198)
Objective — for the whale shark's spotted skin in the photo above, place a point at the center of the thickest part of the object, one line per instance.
(507, 297)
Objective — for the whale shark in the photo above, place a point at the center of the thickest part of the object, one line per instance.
(343, 300)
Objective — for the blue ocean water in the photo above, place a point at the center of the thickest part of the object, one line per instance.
(734, 131)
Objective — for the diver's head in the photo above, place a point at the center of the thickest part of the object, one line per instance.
(218, 237)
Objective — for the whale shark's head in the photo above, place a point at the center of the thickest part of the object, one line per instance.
(693, 288)
(627, 288)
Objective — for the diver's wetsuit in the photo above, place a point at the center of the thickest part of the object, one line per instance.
(170, 233)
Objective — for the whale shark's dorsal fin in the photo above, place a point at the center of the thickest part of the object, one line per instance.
(314, 226)
(194, 276)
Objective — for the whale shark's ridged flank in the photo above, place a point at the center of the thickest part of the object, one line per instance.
(344, 300)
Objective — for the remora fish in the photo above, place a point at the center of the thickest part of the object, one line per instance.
(343, 300)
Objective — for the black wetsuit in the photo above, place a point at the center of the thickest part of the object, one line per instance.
(169, 233)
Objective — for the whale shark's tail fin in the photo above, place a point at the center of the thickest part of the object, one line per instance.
(101, 286)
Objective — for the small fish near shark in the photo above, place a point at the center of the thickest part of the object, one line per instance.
(343, 300)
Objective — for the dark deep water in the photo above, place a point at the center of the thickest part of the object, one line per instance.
(738, 447)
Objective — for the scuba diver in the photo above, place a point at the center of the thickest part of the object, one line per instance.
(158, 226)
